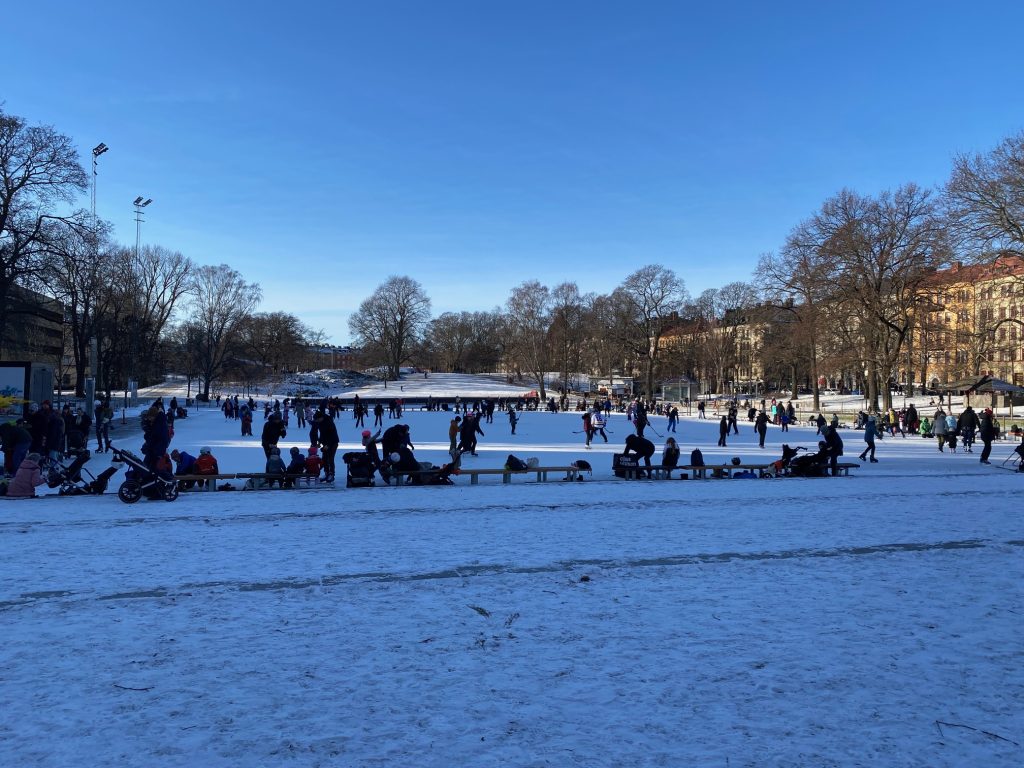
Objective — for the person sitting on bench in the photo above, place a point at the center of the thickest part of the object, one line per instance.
(670, 455)
(206, 464)
(275, 468)
(186, 466)
(296, 467)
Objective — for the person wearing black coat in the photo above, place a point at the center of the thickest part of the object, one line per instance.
(968, 425)
(761, 427)
(325, 434)
(273, 430)
(467, 434)
(54, 442)
(723, 430)
(987, 433)
(834, 444)
(642, 447)
(157, 437)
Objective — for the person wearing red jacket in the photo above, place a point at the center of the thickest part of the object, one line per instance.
(313, 463)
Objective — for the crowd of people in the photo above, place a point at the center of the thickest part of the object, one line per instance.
(46, 435)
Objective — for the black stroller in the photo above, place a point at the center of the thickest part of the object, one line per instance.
(808, 465)
(1015, 460)
(141, 481)
(70, 480)
(359, 468)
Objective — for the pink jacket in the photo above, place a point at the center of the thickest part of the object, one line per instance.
(26, 479)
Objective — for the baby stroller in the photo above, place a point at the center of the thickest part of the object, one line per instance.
(69, 478)
(810, 464)
(360, 470)
(1015, 460)
(141, 481)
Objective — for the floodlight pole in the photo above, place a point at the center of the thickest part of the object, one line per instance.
(139, 204)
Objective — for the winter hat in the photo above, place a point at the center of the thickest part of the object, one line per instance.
(295, 451)
(34, 457)
(312, 450)
(366, 433)
(204, 449)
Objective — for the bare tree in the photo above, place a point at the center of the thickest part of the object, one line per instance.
(39, 168)
(528, 317)
(391, 322)
(567, 331)
(221, 302)
(883, 251)
(651, 299)
(985, 199)
(83, 269)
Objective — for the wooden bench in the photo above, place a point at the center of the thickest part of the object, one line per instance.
(724, 470)
(506, 474)
(201, 480)
(307, 480)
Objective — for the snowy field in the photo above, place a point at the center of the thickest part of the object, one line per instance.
(875, 620)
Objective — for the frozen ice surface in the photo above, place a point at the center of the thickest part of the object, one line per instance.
(864, 621)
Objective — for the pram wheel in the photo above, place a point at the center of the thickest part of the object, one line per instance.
(130, 491)
(171, 492)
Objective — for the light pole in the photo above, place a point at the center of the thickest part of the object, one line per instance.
(98, 150)
(139, 214)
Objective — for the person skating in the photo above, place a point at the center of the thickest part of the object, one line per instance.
(870, 430)
(453, 436)
(761, 427)
(723, 431)
(939, 427)
(673, 419)
(513, 419)
(732, 419)
(588, 430)
(599, 421)
(967, 424)
(467, 434)
(987, 432)
(700, 410)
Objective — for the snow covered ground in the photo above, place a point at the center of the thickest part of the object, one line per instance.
(871, 620)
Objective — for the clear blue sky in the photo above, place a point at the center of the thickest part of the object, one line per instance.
(320, 147)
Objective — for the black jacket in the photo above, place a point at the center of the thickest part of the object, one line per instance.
(273, 431)
(324, 431)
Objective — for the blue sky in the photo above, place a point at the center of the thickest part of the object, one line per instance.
(321, 147)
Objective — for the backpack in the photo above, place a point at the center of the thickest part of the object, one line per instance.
(696, 458)
(514, 464)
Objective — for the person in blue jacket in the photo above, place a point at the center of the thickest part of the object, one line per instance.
(870, 431)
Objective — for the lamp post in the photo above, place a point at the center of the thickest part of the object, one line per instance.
(139, 217)
(98, 150)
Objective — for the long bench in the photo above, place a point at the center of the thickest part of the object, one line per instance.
(726, 470)
(506, 474)
(210, 481)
